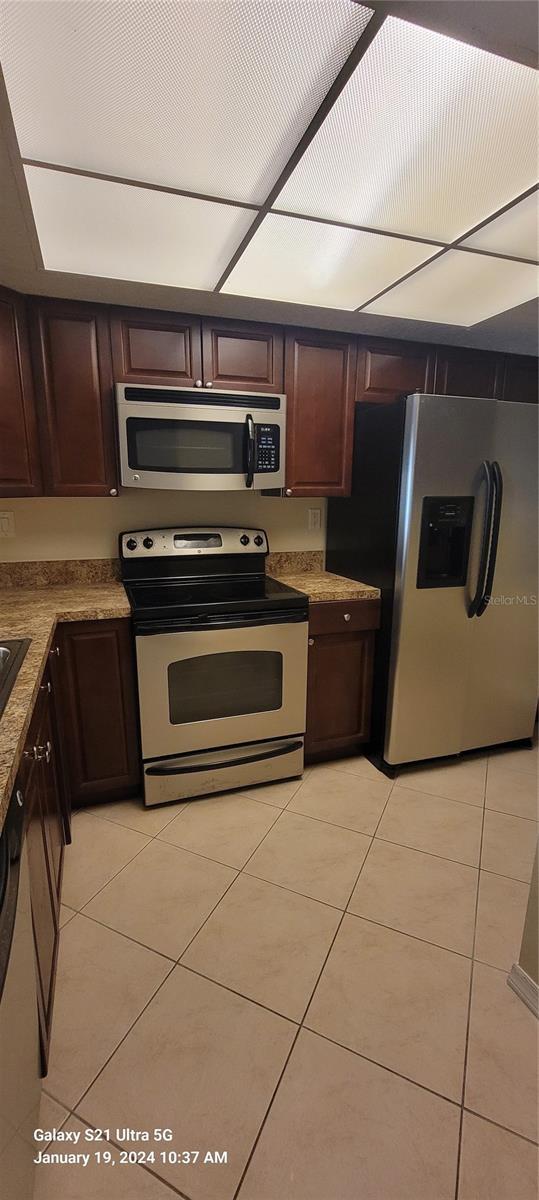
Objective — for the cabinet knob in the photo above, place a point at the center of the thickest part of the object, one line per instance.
(288, 491)
(347, 617)
(198, 383)
(209, 383)
(113, 492)
(20, 797)
(311, 641)
(46, 687)
(55, 651)
(37, 753)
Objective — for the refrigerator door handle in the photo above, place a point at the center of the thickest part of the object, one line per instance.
(485, 541)
(498, 497)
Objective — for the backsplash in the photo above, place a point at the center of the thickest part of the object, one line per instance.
(50, 528)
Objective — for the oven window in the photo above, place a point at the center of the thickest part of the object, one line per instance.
(230, 684)
(186, 447)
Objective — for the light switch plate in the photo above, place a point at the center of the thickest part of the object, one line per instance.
(7, 525)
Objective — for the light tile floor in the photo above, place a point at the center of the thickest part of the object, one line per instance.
(310, 976)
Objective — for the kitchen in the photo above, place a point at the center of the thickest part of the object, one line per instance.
(268, 585)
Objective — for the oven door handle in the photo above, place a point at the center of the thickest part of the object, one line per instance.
(250, 440)
(163, 769)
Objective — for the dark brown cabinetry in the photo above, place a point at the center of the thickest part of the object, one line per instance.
(73, 369)
(156, 347)
(339, 680)
(97, 710)
(387, 369)
(320, 376)
(20, 473)
(240, 355)
(40, 785)
(520, 381)
(468, 373)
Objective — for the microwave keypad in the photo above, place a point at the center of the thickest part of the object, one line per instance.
(267, 448)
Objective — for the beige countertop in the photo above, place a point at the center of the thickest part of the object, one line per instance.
(33, 612)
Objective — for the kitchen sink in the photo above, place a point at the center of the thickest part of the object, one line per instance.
(11, 657)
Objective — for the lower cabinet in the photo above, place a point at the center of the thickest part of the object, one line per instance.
(339, 682)
(97, 710)
(45, 833)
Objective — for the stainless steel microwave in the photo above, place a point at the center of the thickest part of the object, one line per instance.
(182, 439)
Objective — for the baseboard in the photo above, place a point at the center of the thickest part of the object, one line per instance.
(525, 987)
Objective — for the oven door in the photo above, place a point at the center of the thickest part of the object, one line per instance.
(200, 447)
(205, 688)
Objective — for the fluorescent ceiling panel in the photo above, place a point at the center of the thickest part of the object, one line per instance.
(305, 262)
(92, 227)
(206, 95)
(428, 137)
(515, 232)
(460, 289)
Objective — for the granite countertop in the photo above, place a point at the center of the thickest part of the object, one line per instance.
(34, 613)
(322, 585)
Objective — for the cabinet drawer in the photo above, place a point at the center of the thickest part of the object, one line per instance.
(343, 616)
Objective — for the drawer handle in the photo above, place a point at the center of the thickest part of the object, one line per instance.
(347, 617)
(311, 641)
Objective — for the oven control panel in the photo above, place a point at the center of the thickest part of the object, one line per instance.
(193, 541)
(267, 448)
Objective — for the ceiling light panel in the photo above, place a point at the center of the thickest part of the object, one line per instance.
(429, 137)
(460, 289)
(93, 227)
(515, 232)
(209, 96)
(305, 262)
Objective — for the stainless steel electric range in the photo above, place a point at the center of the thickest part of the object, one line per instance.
(221, 660)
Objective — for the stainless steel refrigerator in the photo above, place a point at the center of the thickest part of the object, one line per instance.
(443, 518)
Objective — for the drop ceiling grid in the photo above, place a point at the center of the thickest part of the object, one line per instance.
(179, 92)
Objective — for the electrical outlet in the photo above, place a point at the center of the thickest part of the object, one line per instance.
(7, 524)
(315, 518)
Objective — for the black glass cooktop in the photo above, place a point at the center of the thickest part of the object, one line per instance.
(176, 599)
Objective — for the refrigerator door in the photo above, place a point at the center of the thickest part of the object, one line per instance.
(501, 695)
(458, 682)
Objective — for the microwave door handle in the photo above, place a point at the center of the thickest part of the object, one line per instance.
(250, 437)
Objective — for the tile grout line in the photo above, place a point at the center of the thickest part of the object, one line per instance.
(470, 994)
(301, 1024)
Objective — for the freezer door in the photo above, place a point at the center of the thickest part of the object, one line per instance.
(458, 682)
(501, 694)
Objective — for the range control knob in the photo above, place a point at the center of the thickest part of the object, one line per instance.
(244, 539)
(258, 540)
(148, 543)
(131, 544)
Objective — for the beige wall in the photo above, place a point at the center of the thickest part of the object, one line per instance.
(48, 528)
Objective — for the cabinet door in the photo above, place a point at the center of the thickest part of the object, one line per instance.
(20, 472)
(520, 380)
(97, 710)
(51, 800)
(71, 350)
(240, 355)
(156, 347)
(468, 373)
(320, 375)
(386, 370)
(339, 686)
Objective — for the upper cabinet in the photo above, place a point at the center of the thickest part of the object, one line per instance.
(20, 473)
(72, 362)
(242, 356)
(156, 347)
(468, 373)
(386, 370)
(320, 377)
(520, 380)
